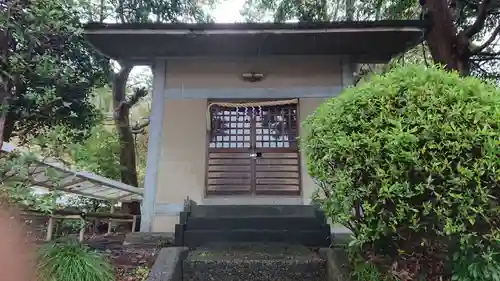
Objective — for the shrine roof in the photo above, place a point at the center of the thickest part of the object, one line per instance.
(363, 41)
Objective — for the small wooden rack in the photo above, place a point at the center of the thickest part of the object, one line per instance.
(83, 216)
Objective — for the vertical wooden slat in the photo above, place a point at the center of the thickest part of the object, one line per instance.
(277, 170)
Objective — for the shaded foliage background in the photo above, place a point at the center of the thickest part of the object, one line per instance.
(52, 69)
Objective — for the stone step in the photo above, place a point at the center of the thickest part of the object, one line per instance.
(269, 223)
(219, 211)
(148, 239)
(320, 237)
(253, 262)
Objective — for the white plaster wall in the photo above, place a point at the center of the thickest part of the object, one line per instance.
(279, 72)
(306, 107)
(182, 162)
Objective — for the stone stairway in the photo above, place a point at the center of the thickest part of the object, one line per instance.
(253, 262)
(247, 243)
(292, 224)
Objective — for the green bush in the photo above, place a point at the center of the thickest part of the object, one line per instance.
(410, 162)
(70, 260)
(472, 265)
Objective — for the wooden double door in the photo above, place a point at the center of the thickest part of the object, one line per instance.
(253, 151)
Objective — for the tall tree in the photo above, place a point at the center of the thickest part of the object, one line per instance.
(456, 26)
(139, 11)
(304, 11)
(131, 11)
(6, 11)
(104, 138)
(50, 70)
(463, 35)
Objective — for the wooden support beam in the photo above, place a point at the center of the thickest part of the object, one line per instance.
(50, 229)
(122, 220)
(134, 223)
(68, 212)
(110, 221)
(68, 217)
(82, 230)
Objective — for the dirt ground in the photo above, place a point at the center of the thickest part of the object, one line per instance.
(131, 263)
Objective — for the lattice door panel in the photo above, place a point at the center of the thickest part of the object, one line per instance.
(229, 161)
(277, 167)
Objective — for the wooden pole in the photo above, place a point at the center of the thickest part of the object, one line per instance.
(110, 221)
(134, 223)
(50, 228)
(57, 226)
(95, 223)
(82, 230)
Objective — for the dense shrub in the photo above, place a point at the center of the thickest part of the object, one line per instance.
(410, 162)
(69, 260)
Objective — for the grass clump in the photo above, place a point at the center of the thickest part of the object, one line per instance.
(71, 261)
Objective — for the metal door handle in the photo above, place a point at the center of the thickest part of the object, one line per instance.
(256, 155)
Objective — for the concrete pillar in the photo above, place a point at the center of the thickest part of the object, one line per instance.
(154, 145)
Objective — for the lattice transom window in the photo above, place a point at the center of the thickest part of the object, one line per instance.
(230, 128)
(257, 126)
(276, 127)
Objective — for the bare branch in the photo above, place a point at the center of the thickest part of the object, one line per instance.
(134, 99)
(482, 14)
(478, 67)
(483, 59)
(139, 93)
(488, 42)
(483, 54)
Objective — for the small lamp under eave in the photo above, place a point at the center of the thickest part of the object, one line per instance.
(252, 77)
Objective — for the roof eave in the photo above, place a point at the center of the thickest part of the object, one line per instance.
(139, 42)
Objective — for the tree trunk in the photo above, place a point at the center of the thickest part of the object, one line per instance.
(4, 104)
(8, 128)
(127, 152)
(446, 45)
(5, 80)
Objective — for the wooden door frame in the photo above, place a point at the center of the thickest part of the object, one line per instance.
(252, 194)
